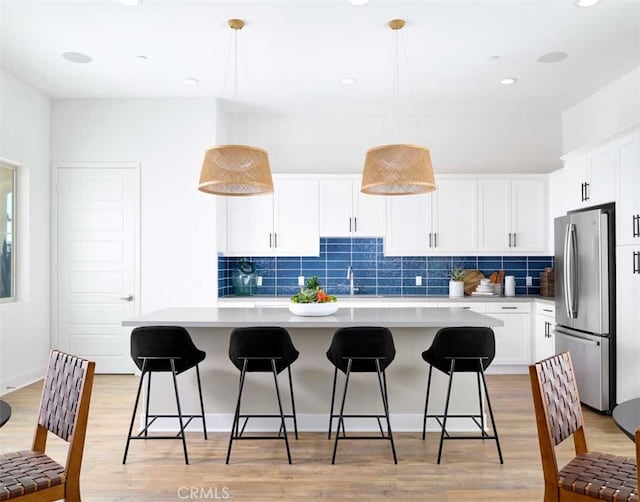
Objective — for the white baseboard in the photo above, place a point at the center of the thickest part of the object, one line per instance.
(407, 422)
(23, 380)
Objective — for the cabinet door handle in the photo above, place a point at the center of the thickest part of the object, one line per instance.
(510, 239)
(636, 262)
(581, 192)
(435, 239)
(355, 223)
(349, 223)
(547, 310)
(636, 225)
(430, 245)
(270, 240)
(508, 308)
(275, 240)
(586, 191)
(515, 240)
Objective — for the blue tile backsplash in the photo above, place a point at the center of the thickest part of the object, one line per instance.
(374, 273)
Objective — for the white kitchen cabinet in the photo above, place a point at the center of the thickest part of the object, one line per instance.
(249, 226)
(557, 204)
(512, 215)
(627, 322)
(455, 216)
(408, 225)
(628, 199)
(285, 223)
(591, 177)
(513, 340)
(576, 170)
(441, 222)
(347, 212)
(544, 341)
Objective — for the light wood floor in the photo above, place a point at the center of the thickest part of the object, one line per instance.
(155, 470)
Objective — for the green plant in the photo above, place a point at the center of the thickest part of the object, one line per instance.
(312, 293)
(457, 273)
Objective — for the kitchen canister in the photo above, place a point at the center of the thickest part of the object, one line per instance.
(509, 285)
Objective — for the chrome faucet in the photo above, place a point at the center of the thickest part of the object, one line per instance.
(352, 289)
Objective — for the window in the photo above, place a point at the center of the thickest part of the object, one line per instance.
(7, 232)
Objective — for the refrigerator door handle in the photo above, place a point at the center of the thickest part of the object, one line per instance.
(575, 266)
(582, 339)
(566, 272)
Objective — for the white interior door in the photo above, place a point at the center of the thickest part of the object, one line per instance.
(97, 263)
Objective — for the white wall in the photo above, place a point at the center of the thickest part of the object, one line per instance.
(168, 137)
(608, 112)
(24, 140)
(473, 142)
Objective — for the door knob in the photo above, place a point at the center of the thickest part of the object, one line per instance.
(128, 298)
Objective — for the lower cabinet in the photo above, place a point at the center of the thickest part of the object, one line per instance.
(544, 341)
(513, 340)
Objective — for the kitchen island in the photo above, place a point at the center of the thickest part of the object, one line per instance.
(413, 329)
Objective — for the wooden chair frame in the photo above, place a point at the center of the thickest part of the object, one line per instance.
(551, 434)
(73, 432)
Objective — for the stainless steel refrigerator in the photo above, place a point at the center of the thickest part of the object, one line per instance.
(585, 301)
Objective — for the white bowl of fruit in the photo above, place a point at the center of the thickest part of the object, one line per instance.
(313, 301)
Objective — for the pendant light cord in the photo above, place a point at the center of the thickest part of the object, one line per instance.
(235, 86)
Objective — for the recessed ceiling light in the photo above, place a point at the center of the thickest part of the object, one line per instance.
(494, 58)
(586, 3)
(358, 2)
(77, 57)
(348, 81)
(508, 81)
(130, 2)
(552, 57)
(190, 81)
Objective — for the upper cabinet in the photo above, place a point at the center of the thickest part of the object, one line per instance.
(511, 215)
(346, 212)
(408, 225)
(441, 222)
(591, 178)
(628, 192)
(285, 223)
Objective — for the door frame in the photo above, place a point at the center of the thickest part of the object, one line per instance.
(135, 166)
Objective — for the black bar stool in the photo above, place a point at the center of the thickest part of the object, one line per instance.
(461, 350)
(262, 350)
(164, 349)
(361, 350)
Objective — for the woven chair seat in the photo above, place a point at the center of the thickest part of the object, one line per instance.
(25, 472)
(602, 477)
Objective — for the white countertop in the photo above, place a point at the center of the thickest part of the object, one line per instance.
(257, 300)
(405, 317)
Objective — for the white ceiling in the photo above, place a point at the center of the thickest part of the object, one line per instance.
(298, 51)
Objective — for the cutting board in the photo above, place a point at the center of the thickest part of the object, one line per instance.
(471, 280)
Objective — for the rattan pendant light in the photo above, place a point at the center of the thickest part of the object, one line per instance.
(236, 169)
(397, 169)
